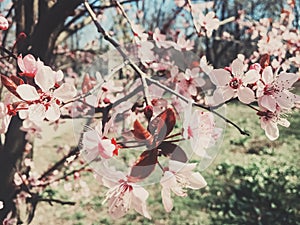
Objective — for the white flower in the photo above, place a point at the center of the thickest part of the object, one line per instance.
(122, 194)
(96, 143)
(178, 177)
(273, 91)
(233, 82)
(45, 103)
(199, 127)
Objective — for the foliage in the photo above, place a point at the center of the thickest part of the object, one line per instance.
(255, 194)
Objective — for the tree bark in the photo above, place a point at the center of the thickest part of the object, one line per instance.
(41, 23)
(10, 156)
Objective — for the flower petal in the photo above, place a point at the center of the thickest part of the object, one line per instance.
(166, 199)
(44, 77)
(53, 112)
(65, 92)
(58, 76)
(196, 181)
(285, 99)
(117, 211)
(286, 80)
(36, 112)
(220, 77)
(251, 77)
(139, 197)
(268, 102)
(237, 67)
(245, 95)
(177, 166)
(222, 94)
(27, 92)
(106, 148)
(168, 180)
(267, 75)
(271, 130)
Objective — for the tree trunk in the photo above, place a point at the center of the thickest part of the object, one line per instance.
(42, 24)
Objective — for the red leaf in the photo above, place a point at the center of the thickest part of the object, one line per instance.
(163, 124)
(10, 85)
(18, 81)
(172, 151)
(264, 60)
(144, 166)
(140, 133)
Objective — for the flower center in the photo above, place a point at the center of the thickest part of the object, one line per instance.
(235, 83)
(268, 90)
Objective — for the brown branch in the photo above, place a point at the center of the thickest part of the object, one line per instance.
(8, 52)
(117, 46)
(59, 164)
(62, 177)
(51, 200)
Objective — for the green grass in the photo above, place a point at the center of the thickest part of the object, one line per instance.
(192, 210)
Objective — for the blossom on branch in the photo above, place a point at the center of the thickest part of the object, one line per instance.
(177, 178)
(199, 127)
(45, 101)
(269, 122)
(272, 90)
(123, 194)
(207, 23)
(233, 81)
(95, 143)
(28, 65)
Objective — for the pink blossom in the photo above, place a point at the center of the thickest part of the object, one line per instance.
(273, 91)
(145, 52)
(28, 65)
(208, 23)
(184, 44)
(232, 82)
(199, 128)
(269, 122)
(189, 81)
(31, 128)
(177, 178)
(95, 143)
(160, 39)
(204, 65)
(3, 23)
(45, 102)
(122, 194)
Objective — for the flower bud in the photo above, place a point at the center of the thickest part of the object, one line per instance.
(148, 112)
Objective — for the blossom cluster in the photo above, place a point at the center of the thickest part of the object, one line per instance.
(267, 88)
(40, 93)
(160, 113)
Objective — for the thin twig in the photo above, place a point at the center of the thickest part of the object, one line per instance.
(124, 14)
(119, 49)
(58, 164)
(51, 200)
(188, 2)
(8, 52)
(62, 177)
(98, 86)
